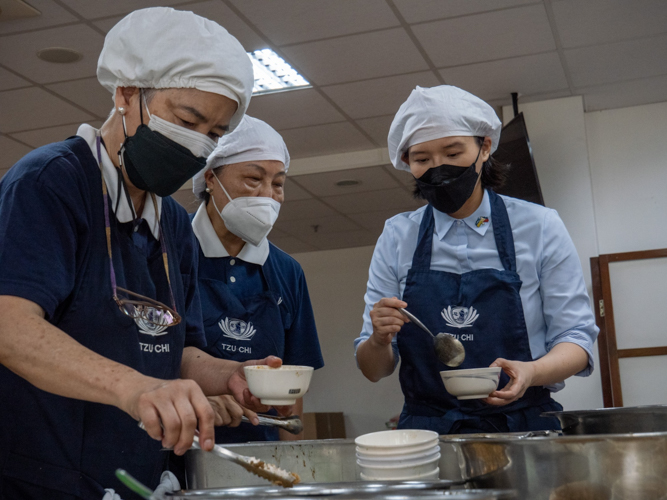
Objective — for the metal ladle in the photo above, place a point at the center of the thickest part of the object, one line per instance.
(292, 424)
(448, 349)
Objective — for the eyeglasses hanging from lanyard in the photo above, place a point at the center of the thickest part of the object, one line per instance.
(140, 308)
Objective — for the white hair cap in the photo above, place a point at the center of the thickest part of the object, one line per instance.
(253, 140)
(436, 112)
(163, 48)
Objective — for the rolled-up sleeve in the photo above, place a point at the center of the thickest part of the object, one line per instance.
(566, 305)
(382, 282)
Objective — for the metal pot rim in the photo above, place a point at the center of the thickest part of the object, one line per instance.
(517, 438)
(602, 411)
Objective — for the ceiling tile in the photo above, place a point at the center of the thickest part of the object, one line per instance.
(324, 139)
(357, 57)
(291, 245)
(12, 152)
(374, 221)
(187, 199)
(415, 11)
(377, 128)
(370, 179)
(388, 199)
(303, 20)
(347, 239)
(625, 94)
(225, 17)
(87, 93)
(92, 9)
(51, 15)
(106, 24)
(360, 99)
(9, 80)
(526, 75)
(302, 228)
(405, 178)
(19, 53)
(37, 138)
(485, 37)
(293, 191)
(618, 61)
(31, 108)
(602, 21)
(303, 209)
(296, 108)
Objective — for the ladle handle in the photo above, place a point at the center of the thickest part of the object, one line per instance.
(414, 319)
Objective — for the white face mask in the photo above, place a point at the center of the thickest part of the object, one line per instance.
(251, 218)
(199, 145)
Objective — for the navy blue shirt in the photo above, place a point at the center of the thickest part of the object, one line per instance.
(53, 252)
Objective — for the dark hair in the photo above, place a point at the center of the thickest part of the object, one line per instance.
(494, 173)
(207, 196)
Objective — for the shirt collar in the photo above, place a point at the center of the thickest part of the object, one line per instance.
(478, 221)
(212, 247)
(110, 172)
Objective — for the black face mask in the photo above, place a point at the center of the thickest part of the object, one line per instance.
(448, 187)
(155, 163)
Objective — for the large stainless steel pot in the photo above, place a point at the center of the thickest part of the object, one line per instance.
(599, 467)
(613, 420)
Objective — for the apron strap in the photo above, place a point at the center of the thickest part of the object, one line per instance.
(502, 230)
(421, 259)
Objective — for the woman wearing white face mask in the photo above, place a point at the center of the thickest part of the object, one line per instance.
(254, 296)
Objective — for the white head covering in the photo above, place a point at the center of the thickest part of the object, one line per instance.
(436, 112)
(253, 140)
(161, 48)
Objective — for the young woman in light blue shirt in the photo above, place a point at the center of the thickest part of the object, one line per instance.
(499, 273)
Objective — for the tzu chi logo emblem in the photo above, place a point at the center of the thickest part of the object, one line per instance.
(459, 316)
(237, 329)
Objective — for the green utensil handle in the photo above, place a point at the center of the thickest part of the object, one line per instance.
(132, 483)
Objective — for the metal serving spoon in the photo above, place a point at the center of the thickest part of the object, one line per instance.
(448, 349)
(258, 467)
(292, 424)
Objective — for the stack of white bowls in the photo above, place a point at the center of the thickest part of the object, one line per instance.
(398, 455)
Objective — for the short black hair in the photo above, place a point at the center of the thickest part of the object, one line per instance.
(494, 174)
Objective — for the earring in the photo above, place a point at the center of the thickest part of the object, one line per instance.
(208, 190)
(121, 111)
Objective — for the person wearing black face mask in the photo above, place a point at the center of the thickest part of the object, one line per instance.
(101, 321)
(499, 274)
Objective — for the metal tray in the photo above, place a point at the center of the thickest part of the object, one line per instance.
(380, 490)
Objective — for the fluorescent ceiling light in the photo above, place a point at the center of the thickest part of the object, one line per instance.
(273, 74)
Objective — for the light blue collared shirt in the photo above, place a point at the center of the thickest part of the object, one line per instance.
(554, 297)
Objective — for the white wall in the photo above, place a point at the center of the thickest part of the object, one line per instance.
(337, 283)
(605, 173)
(628, 155)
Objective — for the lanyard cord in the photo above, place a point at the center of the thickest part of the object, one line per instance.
(107, 224)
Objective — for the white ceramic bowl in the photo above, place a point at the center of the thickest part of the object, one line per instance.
(398, 457)
(392, 452)
(400, 461)
(405, 440)
(475, 383)
(278, 386)
(432, 475)
(396, 471)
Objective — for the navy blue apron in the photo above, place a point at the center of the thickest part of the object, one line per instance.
(65, 449)
(483, 310)
(241, 330)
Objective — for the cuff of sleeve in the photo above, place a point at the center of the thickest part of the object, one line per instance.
(583, 341)
(394, 347)
(33, 293)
